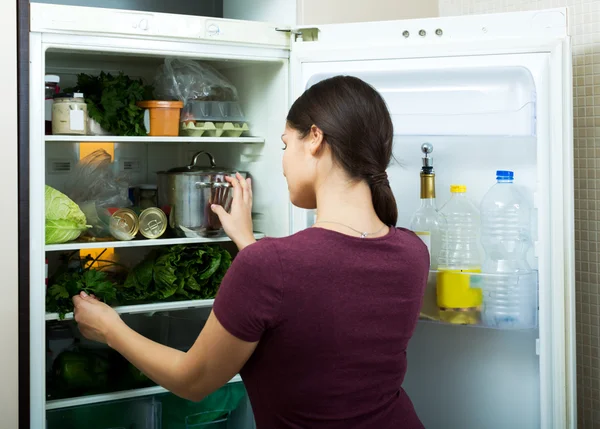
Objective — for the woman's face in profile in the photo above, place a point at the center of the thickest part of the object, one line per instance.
(299, 169)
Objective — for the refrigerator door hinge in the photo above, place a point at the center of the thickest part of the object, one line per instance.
(537, 346)
(302, 34)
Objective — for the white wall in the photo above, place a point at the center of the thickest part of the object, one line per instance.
(9, 219)
(339, 11)
(282, 12)
(188, 7)
(307, 12)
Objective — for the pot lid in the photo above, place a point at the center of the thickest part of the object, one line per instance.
(193, 168)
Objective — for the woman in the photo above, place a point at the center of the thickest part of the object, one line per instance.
(316, 323)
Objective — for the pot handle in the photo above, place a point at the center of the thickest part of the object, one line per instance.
(195, 159)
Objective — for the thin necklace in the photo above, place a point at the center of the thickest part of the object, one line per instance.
(362, 234)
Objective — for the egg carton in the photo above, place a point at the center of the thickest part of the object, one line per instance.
(213, 129)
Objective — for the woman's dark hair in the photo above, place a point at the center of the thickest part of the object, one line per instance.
(357, 126)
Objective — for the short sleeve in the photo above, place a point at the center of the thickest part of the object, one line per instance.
(249, 298)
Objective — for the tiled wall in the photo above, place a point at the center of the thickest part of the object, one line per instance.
(584, 16)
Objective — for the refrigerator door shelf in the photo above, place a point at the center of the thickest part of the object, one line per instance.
(509, 301)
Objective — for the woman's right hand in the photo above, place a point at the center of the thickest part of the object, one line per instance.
(238, 223)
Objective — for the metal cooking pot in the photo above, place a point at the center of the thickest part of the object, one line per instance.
(190, 191)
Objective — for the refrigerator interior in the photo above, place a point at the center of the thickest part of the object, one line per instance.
(481, 115)
(262, 91)
(261, 87)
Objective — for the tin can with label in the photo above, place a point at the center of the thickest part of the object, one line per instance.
(153, 222)
(124, 224)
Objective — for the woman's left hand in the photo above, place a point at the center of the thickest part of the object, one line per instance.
(95, 319)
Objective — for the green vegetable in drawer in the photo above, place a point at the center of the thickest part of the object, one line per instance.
(75, 370)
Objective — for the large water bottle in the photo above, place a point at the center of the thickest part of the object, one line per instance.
(458, 297)
(510, 298)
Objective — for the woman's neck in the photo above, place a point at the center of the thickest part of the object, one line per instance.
(347, 204)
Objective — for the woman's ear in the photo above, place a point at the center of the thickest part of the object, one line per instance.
(316, 140)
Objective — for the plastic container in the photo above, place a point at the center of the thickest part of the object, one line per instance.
(69, 114)
(213, 129)
(459, 296)
(510, 296)
(217, 410)
(161, 117)
(212, 111)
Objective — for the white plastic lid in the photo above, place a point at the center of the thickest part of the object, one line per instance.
(148, 187)
(52, 78)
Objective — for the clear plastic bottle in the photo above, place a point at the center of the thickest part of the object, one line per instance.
(458, 295)
(509, 291)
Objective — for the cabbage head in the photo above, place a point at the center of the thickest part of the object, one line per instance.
(64, 220)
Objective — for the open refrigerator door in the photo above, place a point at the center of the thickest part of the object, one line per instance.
(487, 93)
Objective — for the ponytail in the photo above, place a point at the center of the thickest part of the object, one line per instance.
(383, 199)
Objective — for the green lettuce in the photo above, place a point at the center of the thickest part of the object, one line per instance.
(175, 273)
(64, 220)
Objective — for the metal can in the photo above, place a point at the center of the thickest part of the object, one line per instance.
(124, 224)
(153, 222)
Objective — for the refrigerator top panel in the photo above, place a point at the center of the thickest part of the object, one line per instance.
(544, 24)
(50, 18)
(548, 23)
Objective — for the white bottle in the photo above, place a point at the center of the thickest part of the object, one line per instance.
(458, 295)
(510, 289)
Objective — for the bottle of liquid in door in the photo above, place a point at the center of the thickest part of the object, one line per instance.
(429, 224)
(510, 298)
(459, 296)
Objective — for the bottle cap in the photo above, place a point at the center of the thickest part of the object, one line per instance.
(458, 189)
(504, 175)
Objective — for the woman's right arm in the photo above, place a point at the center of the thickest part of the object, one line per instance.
(238, 223)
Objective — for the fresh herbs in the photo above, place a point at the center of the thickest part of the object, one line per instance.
(111, 101)
(69, 284)
(177, 272)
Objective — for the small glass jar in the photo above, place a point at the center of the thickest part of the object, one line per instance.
(69, 115)
(148, 195)
(51, 88)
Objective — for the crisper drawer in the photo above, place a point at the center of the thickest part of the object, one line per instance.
(227, 408)
(141, 413)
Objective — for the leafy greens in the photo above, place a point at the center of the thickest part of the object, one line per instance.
(111, 101)
(177, 272)
(69, 284)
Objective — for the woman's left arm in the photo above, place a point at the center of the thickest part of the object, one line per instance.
(213, 360)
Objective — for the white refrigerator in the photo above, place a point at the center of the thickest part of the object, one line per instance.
(489, 92)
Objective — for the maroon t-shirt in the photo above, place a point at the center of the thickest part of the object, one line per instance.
(333, 315)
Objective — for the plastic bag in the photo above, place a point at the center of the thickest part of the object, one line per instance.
(188, 80)
(95, 188)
